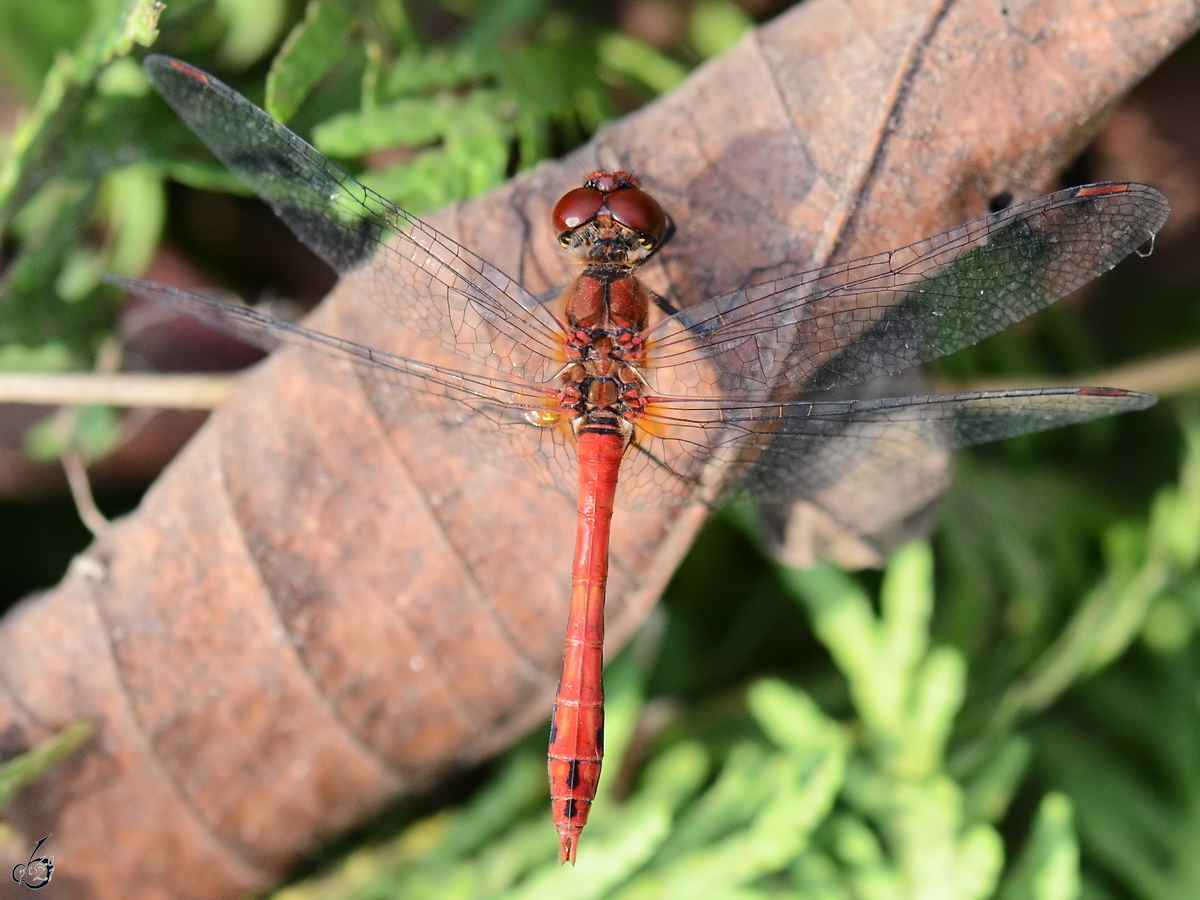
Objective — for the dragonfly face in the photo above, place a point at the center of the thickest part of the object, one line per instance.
(645, 408)
(610, 219)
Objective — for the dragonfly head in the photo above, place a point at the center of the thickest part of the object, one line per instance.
(609, 219)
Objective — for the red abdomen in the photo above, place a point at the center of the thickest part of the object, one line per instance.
(577, 724)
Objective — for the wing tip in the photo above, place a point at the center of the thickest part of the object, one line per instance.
(1134, 400)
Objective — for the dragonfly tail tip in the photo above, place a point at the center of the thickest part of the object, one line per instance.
(566, 848)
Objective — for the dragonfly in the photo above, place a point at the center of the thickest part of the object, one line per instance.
(610, 394)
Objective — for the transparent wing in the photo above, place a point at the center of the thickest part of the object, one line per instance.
(792, 450)
(879, 315)
(501, 411)
(421, 277)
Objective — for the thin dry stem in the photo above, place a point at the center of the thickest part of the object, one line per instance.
(129, 390)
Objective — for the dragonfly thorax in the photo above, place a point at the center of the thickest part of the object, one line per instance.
(607, 299)
(603, 384)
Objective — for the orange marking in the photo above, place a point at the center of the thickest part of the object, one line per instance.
(189, 71)
(1102, 190)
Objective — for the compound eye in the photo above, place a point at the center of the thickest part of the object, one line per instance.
(576, 207)
(637, 210)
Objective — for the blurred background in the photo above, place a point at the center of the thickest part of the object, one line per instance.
(1032, 532)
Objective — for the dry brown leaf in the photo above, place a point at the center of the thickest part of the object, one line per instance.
(313, 612)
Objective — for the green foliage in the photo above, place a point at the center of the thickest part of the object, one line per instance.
(717, 25)
(50, 180)
(93, 431)
(462, 110)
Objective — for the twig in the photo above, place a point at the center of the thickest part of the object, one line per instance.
(81, 492)
(75, 388)
(1166, 376)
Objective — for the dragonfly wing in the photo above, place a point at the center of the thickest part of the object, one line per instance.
(408, 391)
(797, 449)
(818, 443)
(879, 315)
(422, 278)
(860, 496)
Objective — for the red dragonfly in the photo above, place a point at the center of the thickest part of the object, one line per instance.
(638, 408)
